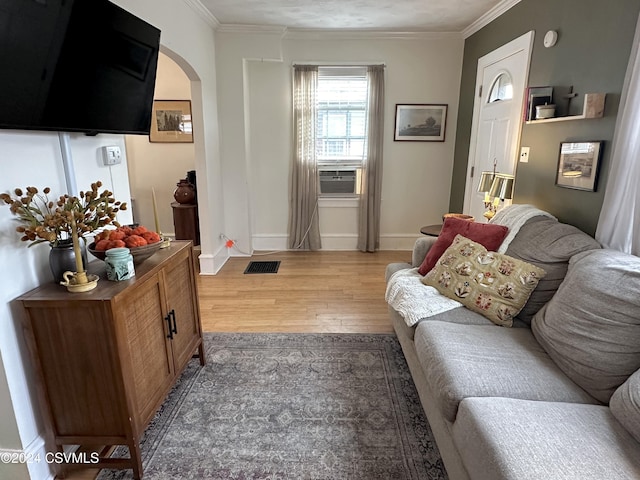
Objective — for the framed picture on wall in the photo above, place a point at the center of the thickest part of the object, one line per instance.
(578, 165)
(420, 122)
(171, 122)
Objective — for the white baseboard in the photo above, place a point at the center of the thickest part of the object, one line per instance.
(278, 242)
(211, 264)
(35, 466)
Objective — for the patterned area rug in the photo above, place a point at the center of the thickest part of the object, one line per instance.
(292, 406)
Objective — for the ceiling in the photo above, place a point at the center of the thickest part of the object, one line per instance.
(406, 15)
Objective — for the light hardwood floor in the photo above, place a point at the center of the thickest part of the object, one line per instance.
(313, 292)
(321, 292)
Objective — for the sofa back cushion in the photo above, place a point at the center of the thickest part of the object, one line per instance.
(488, 235)
(548, 244)
(591, 326)
(625, 405)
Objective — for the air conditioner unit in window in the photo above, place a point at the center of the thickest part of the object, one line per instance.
(337, 182)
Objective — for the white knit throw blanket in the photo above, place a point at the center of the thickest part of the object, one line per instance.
(414, 301)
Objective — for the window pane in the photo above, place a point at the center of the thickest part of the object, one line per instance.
(502, 88)
(341, 123)
(337, 124)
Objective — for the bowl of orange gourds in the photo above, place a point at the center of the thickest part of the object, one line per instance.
(141, 242)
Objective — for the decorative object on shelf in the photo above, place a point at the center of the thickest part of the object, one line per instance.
(171, 122)
(78, 281)
(420, 122)
(184, 192)
(166, 241)
(497, 187)
(70, 280)
(537, 96)
(43, 219)
(141, 242)
(119, 264)
(545, 111)
(62, 258)
(579, 165)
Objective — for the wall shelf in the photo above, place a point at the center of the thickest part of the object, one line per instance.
(593, 108)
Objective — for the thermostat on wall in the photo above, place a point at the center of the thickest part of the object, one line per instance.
(111, 155)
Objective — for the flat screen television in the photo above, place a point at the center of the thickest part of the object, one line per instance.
(76, 66)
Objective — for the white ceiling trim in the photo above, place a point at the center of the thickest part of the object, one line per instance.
(250, 29)
(203, 12)
(340, 34)
(488, 17)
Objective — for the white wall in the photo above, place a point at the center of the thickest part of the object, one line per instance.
(160, 165)
(32, 158)
(256, 142)
(35, 160)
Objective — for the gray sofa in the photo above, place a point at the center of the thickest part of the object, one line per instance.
(555, 397)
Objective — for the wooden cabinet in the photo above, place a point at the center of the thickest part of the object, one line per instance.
(107, 358)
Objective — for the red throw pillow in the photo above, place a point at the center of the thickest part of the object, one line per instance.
(490, 236)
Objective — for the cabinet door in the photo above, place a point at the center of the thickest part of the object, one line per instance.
(180, 288)
(142, 315)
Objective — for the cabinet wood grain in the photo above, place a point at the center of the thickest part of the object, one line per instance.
(106, 359)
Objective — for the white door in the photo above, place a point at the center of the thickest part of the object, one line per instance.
(497, 116)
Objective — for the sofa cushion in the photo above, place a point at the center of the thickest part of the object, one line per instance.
(625, 405)
(591, 326)
(461, 361)
(492, 284)
(490, 236)
(504, 439)
(548, 244)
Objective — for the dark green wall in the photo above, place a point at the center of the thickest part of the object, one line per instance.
(594, 43)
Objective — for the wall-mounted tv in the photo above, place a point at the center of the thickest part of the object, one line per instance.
(76, 66)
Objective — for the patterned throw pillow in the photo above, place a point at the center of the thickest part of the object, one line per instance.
(492, 284)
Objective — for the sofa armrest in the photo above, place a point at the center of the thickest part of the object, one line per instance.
(420, 249)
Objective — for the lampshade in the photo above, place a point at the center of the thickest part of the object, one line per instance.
(486, 179)
(502, 186)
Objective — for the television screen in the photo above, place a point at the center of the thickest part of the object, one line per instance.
(76, 66)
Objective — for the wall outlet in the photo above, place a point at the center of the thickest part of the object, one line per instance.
(524, 154)
(111, 155)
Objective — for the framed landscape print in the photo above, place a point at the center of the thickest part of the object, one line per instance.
(420, 122)
(578, 165)
(171, 122)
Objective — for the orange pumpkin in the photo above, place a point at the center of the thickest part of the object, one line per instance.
(133, 241)
(151, 237)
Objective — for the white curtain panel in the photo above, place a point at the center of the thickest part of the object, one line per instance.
(304, 227)
(619, 222)
(371, 188)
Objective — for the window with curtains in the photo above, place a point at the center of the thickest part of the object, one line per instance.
(341, 128)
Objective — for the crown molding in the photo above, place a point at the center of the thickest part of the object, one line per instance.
(203, 12)
(252, 29)
(339, 34)
(488, 17)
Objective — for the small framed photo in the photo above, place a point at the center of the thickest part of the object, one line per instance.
(420, 122)
(171, 122)
(578, 165)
